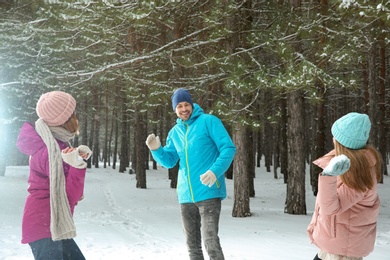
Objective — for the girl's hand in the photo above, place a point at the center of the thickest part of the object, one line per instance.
(71, 156)
(84, 152)
(68, 150)
(84, 155)
(338, 165)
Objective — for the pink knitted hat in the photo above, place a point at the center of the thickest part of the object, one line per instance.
(56, 107)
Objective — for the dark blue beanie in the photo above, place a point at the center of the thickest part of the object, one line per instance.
(181, 95)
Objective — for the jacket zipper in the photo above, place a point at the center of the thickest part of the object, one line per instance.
(187, 165)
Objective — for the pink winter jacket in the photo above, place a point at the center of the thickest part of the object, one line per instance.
(36, 216)
(344, 220)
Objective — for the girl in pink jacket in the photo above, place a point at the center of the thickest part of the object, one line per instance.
(56, 180)
(344, 222)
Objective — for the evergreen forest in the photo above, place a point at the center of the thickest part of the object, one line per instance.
(277, 73)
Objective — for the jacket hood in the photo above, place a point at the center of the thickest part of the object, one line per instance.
(196, 112)
(323, 161)
(29, 142)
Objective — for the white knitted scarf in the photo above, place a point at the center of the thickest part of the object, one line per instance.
(61, 220)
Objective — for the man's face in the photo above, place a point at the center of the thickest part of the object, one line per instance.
(184, 110)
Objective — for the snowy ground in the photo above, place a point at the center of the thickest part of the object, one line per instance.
(118, 221)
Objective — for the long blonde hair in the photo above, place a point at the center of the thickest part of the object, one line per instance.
(359, 176)
(72, 125)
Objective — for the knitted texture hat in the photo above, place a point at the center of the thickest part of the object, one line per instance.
(181, 95)
(56, 107)
(352, 130)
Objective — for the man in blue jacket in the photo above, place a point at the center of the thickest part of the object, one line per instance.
(205, 151)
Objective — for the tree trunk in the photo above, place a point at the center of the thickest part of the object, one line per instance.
(124, 155)
(319, 112)
(268, 143)
(382, 103)
(106, 131)
(96, 133)
(251, 164)
(241, 174)
(84, 127)
(229, 171)
(258, 147)
(157, 115)
(244, 163)
(319, 137)
(283, 139)
(295, 196)
(276, 151)
(140, 147)
(116, 137)
(173, 173)
(372, 93)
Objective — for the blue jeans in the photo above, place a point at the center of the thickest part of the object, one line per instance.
(202, 218)
(46, 248)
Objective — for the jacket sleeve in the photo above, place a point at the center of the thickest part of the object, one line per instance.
(224, 144)
(166, 156)
(335, 200)
(75, 179)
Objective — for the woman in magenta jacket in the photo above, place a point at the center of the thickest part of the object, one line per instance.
(344, 222)
(56, 180)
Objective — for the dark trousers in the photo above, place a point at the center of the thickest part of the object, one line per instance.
(47, 249)
(202, 218)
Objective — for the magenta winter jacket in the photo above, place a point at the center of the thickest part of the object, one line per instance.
(36, 216)
(344, 221)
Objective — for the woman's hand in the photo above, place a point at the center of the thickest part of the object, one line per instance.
(84, 152)
(71, 156)
(68, 150)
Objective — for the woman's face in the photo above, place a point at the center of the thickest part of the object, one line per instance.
(183, 110)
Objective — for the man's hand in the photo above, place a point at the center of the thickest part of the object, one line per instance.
(208, 178)
(153, 142)
(338, 165)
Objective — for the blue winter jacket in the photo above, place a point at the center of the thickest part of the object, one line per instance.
(201, 143)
